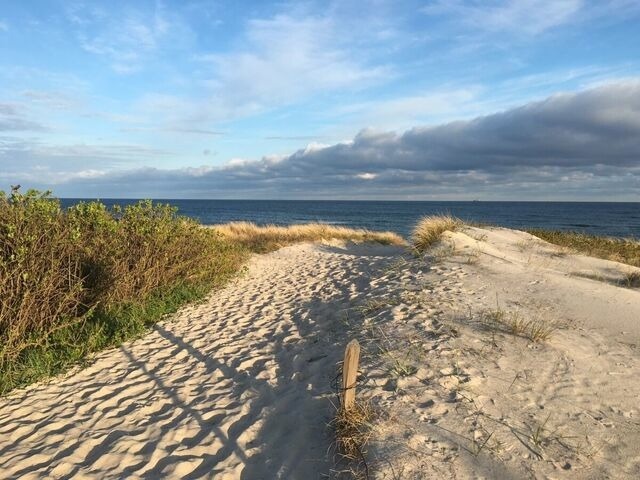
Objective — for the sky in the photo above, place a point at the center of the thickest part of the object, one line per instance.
(406, 100)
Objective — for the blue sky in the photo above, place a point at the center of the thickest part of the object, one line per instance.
(215, 99)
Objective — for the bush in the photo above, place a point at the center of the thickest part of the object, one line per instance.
(74, 281)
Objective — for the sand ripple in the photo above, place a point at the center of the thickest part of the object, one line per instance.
(237, 387)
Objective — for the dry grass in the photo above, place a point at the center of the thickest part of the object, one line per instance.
(271, 237)
(429, 230)
(537, 329)
(353, 428)
(632, 279)
(616, 249)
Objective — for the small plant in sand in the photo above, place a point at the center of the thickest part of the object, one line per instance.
(478, 444)
(536, 329)
(632, 279)
(375, 305)
(353, 429)
(473, 257)
(429, 230)
(443, 251)
(402, 367)
(526, 245)
(482, 237)
(398, 265)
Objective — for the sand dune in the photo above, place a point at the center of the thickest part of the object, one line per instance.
(242, 385)
(484, 403)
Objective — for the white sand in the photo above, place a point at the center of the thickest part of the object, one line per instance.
(241, 385)
(487, 404)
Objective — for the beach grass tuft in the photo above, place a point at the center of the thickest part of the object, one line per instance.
(632, 279)
(353, 429)
(537, 329)
(429, 230)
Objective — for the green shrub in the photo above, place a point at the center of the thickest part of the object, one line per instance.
(78, 280)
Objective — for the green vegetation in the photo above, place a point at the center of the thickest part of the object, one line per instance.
(616, 249)
(76, 281)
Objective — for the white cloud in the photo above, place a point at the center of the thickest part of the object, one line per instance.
(126, 40)
(282, 60)
(277, 61)
(14, 117)
(52, 99)
(514, 16)
(4, 26)
(422, 108)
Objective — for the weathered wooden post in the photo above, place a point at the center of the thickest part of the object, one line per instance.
(350, 374)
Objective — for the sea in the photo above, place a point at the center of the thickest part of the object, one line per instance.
(615, 219)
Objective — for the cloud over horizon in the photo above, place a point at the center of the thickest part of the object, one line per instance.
(575, 145)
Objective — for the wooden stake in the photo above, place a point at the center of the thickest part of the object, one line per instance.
(350, 374)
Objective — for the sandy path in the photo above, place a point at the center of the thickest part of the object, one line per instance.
(237, 387)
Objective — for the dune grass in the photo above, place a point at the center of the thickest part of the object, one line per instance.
(353, 428)
(632, 280)
(616, 249)
(536, 329)
(271, 237)
(429, 230)
(77, 281)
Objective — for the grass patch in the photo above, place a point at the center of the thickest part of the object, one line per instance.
(535, 329)
(632, 280)
(73, 344)
(353, 429)
(375, 305)
(271, 237)
(616, 249)
(429, 230)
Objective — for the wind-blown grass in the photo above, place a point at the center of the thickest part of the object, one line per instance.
(270, 237)
(429, 230)
(616, 249)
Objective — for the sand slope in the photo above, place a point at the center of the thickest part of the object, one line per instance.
(474, 401)
(238, 387)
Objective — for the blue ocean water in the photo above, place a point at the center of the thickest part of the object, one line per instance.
(612, 219)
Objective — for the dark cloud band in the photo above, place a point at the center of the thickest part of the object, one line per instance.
(583, 143)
